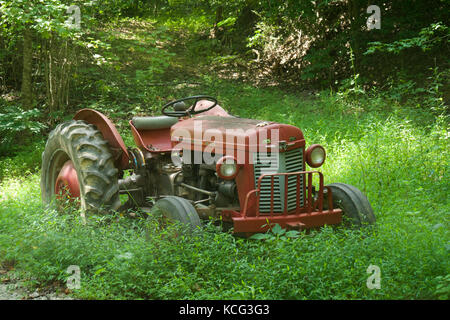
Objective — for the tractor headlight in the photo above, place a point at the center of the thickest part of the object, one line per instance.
(315, 155)
(227, 168)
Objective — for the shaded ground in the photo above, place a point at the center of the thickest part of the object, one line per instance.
(154, 66)
(12, 288)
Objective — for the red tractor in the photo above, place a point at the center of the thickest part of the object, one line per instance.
(195, 162)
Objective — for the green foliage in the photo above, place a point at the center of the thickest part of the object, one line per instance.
(434, 92)
(396, 155)
(228, 22)
(193, 24)
(430, 96)
(16, 123)
(435, 35)
(276, 233)
(443, 287)
(45, 17)
(307, 42)
(21, 161)
(382, 139)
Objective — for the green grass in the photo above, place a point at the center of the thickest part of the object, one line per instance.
(402, 167)
(397, 154)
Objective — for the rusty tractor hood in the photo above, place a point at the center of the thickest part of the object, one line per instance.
(235, 133)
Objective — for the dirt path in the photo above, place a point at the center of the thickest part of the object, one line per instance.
(14, 289)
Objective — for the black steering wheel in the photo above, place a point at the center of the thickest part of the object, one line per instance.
(181, 110)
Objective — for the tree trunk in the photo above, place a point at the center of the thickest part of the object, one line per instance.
(58, 62)
(357, 20)
(27, 90)
(247, 18)
(219, 17)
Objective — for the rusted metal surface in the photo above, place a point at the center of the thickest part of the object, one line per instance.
(67, 181)
(109, 132)
(223, 160)
(232, 134)
(308, 155)
(299, 209)
(154, 141)
(216, 111)
(311, 215)
(235, 135)
(307, 221)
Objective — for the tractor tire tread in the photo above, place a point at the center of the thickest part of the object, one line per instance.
(93, 161)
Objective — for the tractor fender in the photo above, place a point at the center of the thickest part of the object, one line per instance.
(110, 134)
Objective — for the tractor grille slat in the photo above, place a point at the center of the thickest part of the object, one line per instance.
(283, 162)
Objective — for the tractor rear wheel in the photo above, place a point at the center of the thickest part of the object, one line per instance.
(354, 204)
(177, 209)
(77, 159)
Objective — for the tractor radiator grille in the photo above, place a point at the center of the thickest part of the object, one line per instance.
(283, 162)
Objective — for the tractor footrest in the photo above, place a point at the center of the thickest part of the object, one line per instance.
(296, 226)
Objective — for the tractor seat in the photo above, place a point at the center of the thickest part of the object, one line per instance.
(153, 133)
(153, 123)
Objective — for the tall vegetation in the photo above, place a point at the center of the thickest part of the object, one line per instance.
(376, 99)
(377, 146)
(315, 43)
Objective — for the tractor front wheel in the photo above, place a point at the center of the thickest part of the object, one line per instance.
(178, 209)
(355, 206)
(77, 162)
